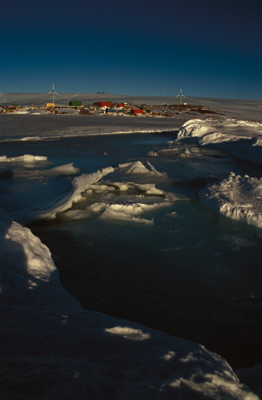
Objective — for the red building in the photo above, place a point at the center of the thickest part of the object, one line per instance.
(119, 105)
(136, 111)
(102, 104)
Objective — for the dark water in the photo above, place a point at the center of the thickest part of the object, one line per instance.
(193, 274)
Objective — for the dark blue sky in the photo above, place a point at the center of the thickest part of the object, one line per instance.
(147, 47)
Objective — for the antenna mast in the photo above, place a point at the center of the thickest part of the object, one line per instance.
(53, 91)
(181, 96)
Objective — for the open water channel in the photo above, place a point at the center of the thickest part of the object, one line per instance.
(189, 272)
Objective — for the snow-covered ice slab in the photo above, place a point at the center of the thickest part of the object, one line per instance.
(26, 158)
(109, 205)
(66, 169)
(79, 185)
(242, 139)
(236, 197)
(127, 206)
(51, 348)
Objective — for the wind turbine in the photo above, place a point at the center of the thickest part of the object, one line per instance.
(181, 96)
(53, 91)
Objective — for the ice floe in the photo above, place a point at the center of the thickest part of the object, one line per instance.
(26, 158)
(129, 204)
(132, 198)
(139, 168)
(66, 170)
(152, 154)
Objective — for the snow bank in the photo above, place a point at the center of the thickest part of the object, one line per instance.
(23, 253)
(51, 348)
(236, 197)
(242, 139)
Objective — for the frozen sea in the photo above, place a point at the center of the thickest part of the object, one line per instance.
(121, 203)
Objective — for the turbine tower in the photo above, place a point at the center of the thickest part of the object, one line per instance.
(53, 91)
(181, 96)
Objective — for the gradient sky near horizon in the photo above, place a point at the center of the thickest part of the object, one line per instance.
(209, 48)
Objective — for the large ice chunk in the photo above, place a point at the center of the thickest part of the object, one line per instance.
(139, 168)
(236, 197)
